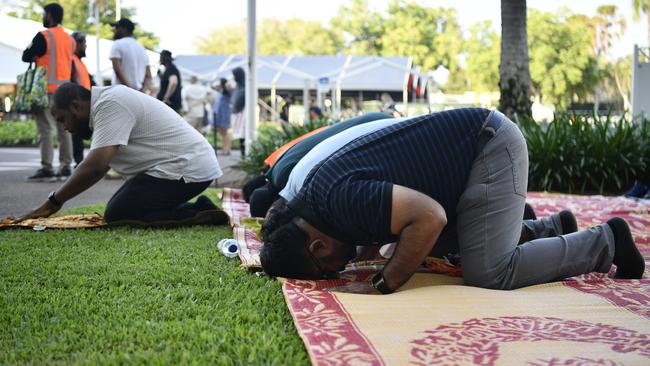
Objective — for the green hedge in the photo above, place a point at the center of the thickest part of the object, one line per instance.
(21, 133)
(18, 133)
(584, 154)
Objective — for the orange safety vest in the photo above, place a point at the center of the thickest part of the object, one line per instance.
(58, 57)
(81, 75)
(271, 159)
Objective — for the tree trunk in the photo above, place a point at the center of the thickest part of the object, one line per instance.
(514, 70)
(627, 106)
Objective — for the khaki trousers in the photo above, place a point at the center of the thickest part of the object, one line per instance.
(45, 123)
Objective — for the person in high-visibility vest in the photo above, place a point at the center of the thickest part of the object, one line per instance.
(80, 76)
(52, 48)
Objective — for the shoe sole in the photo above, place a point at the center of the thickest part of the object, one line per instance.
(42, 180)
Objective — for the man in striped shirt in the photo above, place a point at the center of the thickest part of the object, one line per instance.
(467, 169)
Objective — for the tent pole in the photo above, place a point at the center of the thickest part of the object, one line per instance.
(361, 100)
(274, 104)
(305, 100)
(405, 98)
(99, 80)
(428, 86)
(251, 88)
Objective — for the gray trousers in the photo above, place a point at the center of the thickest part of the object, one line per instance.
(489, 224)
(45, 122)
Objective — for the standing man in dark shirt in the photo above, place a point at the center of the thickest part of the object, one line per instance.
(53, 49)
(170, 82)
(467, 169)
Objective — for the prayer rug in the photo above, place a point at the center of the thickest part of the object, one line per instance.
(244, 228)
(88, 221)
(433, 320)
(59, 222)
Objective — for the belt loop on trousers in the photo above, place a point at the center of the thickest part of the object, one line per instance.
(492, 123)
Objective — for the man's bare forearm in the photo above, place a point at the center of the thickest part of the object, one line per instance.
(171, 88)
(146, 83)
(117, 69)
(84, 177)
(416, 241)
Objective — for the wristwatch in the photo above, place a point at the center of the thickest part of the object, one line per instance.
(379, 283)
(53, 199)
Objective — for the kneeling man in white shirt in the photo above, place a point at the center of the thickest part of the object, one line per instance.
(166, 161)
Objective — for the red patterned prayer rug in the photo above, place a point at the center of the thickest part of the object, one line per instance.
(434, 320)
(232, 201)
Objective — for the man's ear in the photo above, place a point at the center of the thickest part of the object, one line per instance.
(318, 248)
(78, 107)
(75, 106)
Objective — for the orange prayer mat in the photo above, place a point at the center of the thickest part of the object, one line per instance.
(587, 320)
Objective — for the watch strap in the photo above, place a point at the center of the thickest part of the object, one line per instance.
(53, 199)
(379, 283)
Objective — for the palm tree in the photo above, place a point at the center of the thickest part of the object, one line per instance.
(514, 72)
(640, 7)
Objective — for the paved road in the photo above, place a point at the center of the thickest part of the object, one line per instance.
(17, 196)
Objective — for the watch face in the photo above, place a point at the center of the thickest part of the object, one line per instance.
(53, 199)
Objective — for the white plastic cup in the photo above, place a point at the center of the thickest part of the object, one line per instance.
(228, 247)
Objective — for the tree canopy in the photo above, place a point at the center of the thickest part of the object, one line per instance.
(431, 36)
(564, 48)
(562, 60)
(275, 37)
(482, 51)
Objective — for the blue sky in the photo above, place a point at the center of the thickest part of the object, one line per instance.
(178, 29)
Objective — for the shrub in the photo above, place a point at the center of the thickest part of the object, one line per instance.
(270, 138)
(585, 154)
(18, 133)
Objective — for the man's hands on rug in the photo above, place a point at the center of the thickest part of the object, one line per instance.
(356, 288)
(367, 253)
(46, 209)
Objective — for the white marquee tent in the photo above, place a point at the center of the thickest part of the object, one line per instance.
(295, 72)
(324, 74)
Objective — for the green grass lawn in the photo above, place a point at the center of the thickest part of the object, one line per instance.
(137, 296)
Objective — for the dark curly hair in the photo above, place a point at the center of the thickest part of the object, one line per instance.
(69, 92)
(284, 253)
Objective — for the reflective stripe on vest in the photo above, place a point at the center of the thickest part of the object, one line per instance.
(55, 66)
(82, 76)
